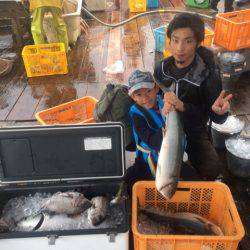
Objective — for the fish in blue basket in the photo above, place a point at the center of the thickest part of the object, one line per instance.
(66, 203)
(97, 213)
(158, 222)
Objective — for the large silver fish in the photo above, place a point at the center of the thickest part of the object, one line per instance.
(67, 203)
(171, 155)
(158, 222)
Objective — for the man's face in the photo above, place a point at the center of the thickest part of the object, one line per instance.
(183, 46)
(146, 98)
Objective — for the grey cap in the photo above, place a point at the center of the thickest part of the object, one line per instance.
(140, 79)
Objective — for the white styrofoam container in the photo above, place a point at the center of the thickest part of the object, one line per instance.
(76, 242)
(71, 16)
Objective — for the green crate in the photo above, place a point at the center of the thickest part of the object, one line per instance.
(204, 4)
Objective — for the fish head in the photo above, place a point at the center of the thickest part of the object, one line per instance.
(169, 189)
(82, 203)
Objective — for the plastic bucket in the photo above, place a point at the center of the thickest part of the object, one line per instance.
(220, 132)
(219, 138)
(229, 81)
(238, 166)
(238, 161)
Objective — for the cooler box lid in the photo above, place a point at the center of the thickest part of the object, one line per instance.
(62, 153)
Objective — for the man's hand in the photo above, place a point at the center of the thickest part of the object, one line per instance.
(221, 104)
(171, 101)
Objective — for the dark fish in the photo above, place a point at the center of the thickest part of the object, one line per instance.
(67, 203)
(4, 227)
(177, 223)
(97, 213)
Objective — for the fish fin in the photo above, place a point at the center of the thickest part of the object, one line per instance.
(68, 194)
(39, 224)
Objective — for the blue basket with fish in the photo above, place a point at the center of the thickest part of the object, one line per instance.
(62, 185)
(160, 35)
(200, 215)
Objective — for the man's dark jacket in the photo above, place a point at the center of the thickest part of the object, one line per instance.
(198, 90)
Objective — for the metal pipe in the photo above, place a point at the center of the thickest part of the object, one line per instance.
(144, 14)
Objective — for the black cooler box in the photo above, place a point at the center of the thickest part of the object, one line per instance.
(85, 158)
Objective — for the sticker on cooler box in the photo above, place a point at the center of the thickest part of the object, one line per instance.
(97, 143)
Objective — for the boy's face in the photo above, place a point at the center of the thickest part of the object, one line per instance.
(145, 97)
(183, 46)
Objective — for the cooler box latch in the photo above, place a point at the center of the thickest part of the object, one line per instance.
(111, 237)
(52, 239)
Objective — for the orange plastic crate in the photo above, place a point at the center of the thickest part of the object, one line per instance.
(232, 30)
(208, 41)
(74, 112)
(212, 200)
(45, 59)
(137, 5)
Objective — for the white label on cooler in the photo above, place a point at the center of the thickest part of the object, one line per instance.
(97, 143)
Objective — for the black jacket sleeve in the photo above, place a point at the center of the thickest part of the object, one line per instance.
(211, 90)
(151, 137)
(212, 87)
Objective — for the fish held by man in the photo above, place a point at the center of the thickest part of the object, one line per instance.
(184, 223)
(67, 202)
(171, 155)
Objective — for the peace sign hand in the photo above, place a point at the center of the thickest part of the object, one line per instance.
(221, 104)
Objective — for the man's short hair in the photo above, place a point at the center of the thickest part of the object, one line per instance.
(186, 20)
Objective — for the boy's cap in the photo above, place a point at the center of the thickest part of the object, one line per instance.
(140, 79)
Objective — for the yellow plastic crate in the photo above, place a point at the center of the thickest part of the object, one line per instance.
(208, 41)
(45, 59)
(75, 112)
(211, 200)
(137, 5)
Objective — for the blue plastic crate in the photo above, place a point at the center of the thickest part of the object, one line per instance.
(160, 36)
(152, 3)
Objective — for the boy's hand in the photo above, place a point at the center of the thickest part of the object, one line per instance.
(221, 104)
(171, 101)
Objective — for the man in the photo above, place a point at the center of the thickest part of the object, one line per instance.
(38, 9)
(198, 95)
(228, 5)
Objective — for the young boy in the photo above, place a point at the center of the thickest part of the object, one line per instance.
(147, 121)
